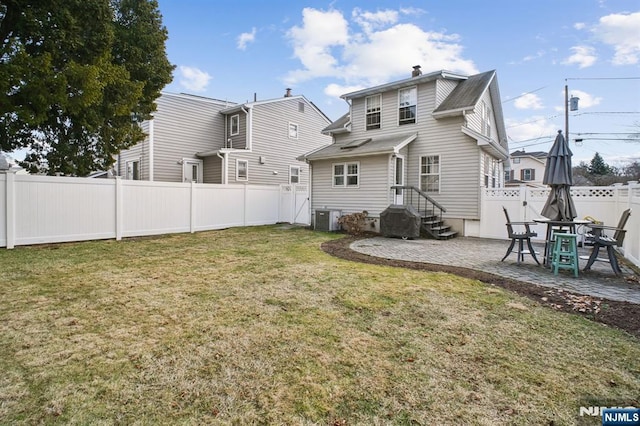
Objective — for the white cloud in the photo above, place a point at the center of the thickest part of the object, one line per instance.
(579, 25)
(621, 32)
(370, 21)
(583, 56)
(312, 43)
(193, 79)
(336, 90)
(528, 101)
(246, 38)
(372, 49)
(415, 11)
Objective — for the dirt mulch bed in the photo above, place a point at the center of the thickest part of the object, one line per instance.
(623, 315)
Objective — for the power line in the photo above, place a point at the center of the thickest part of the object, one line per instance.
(606, 112)
(524, 94)
(604, 78)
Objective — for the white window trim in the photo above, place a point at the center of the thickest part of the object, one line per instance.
(398, 106)
(237, 118)
(238, 178)
(346, 174)
(126, 168)
(297, 130)
(439, 173)
(366, 113)
(299, 173)
(524, 172)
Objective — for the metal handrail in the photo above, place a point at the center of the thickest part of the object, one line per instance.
(421, 193)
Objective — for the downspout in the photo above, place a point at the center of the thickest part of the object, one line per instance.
(226, 132)
(249, 137)
(225, 167)
(151, 150)
(310, 192)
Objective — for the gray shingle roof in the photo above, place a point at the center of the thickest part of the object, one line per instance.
(338, 125)
(536, 154)
(467, 93)
(362, 147)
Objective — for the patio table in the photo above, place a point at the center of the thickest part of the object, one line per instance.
(561, 225)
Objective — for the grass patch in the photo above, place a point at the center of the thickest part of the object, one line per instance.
(258, 325)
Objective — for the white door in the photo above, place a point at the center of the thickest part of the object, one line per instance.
(399, 180)
(192, 170)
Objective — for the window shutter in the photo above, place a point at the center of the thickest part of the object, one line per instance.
(511, 173)
(533, 174)
(522, 174)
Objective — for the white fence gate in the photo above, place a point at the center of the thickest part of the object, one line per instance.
(45, 209)
(294, 204)
(604, 203)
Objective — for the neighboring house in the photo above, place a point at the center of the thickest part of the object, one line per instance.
(527, 168)
(441, 133)
(192, 138)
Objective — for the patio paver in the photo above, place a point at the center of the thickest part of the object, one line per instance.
(485, 254)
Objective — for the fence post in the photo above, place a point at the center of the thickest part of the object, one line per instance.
(522, 206)
(119, 199)
(11, 208)
(632, 185)
(192, 220)
(245, 204)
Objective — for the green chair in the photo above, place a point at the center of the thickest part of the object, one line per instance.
(565, 253)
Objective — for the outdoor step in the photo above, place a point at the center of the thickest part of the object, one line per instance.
(440, 229)
(432, 222)
(447, 235)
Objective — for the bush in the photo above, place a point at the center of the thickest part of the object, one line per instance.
(353, 223)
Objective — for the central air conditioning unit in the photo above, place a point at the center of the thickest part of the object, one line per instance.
(327, 220)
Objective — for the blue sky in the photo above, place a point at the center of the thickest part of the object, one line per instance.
(231, 50)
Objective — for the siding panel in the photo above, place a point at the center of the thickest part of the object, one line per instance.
(272, 150)
(183, 126)
(372, 195)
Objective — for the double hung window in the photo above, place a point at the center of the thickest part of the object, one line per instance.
(407, 101)
(373, 106)
(430, 173)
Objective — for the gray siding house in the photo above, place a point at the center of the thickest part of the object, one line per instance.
(192, 138)
(441, 133)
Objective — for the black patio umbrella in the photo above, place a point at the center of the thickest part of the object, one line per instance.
(558, 175)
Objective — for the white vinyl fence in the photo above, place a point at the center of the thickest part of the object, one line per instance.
(44, 209)
(603, 203)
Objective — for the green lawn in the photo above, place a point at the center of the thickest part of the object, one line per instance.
(259, 326)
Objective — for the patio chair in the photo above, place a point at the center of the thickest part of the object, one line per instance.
(600, 239)
(520, 235)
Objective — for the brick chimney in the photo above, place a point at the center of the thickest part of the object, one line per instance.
(416, 71)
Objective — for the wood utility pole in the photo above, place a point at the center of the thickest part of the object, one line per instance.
(566, 112)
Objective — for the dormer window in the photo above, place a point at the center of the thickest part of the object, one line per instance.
(407, 100)
(373, 104)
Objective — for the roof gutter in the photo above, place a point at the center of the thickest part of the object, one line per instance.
(454, 112)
